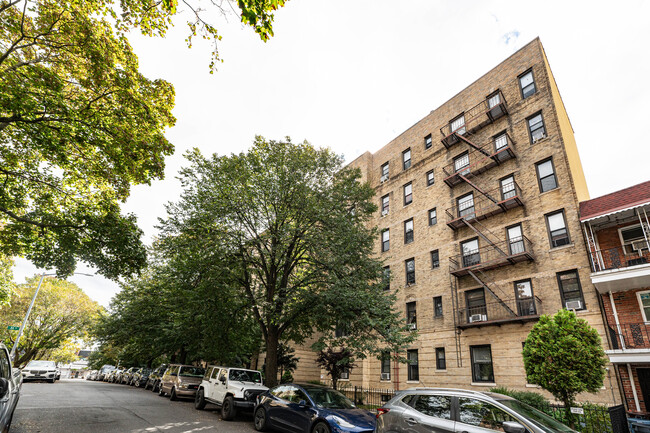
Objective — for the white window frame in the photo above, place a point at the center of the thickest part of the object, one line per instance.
(638, 297)
(623, 243)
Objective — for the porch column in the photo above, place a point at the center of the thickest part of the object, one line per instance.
(636, 397)
(618, 325)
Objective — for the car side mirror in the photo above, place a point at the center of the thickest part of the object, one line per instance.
(513, 427)
(303, 403)
(4, 387)
(222, 380)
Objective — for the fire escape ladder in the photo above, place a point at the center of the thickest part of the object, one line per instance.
(491, 292)
(485, 238)
(472, 144)
(454, 303)
(645, 226)
(464, 177)
(594, 254)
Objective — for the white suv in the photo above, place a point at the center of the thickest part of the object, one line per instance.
(40, 370)
(230, 388)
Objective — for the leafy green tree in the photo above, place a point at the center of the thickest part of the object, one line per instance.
(62, 312)
(289, 224)
(335, 362)
(564, 355)
(6, 280)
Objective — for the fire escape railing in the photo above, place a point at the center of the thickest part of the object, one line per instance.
(491, 256)
(482, 206)
(500, 311)
(480, 115)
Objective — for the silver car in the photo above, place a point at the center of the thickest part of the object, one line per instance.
(10, 383)
(441, 410)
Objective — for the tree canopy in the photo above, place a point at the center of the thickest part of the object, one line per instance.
(564, 355)
(62, 313)
(289, 225)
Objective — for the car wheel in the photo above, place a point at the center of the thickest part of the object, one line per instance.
(51, 380)
(199, 400)
(146, 385)
(160, 390)
(260, 419)
(321, 427)
(155, 387)
(228, 410)
(172, 395)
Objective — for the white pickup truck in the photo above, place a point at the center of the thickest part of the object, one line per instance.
(230, 388)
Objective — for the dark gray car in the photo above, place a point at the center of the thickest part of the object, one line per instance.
(441, 410)
(10, 383)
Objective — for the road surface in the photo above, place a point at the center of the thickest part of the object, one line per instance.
(81, 406)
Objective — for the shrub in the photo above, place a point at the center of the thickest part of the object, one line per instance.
(531, 398)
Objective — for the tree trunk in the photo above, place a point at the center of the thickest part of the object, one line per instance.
(567, 412)
(183, 355)
(271, 370)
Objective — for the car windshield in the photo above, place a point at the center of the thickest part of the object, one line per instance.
(538, 418)
(145, 371)
(191, 372)
(329, 398)
(41, 364)
(245, 376)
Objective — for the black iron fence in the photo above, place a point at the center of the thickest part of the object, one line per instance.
(630, 336)
(620, 257)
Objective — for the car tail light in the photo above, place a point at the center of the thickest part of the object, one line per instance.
(381, 411)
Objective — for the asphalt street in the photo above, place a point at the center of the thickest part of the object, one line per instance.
(81, 406)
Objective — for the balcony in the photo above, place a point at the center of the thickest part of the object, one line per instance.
(620, 268)
(482, 207)
(493, 256)
(500, 312)
(480, 115)
(630, 343)
(480, 160)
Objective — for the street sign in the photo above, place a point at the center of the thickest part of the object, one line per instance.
(13, 328)
(578, 410)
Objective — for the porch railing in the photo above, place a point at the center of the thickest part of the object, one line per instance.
(630, 336)
(619, 257)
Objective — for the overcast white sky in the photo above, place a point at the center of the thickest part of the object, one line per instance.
(353, 74)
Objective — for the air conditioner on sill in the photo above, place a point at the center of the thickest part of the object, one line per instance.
(345, 375)
(384, 178)
(477, 318)
(385, 376)
(573, 305)
(540, 138)
(412, 326)
(639, 246)
(384, 212)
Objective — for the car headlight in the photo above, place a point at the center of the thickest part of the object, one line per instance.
(182, 385)
(340, 421)
(247, 395)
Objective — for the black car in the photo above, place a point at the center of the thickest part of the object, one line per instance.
(10, 383)
(140, 377)
(154, 378)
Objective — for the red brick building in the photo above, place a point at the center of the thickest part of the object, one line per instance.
(617, 229)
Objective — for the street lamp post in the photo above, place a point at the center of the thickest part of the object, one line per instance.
(29, 310)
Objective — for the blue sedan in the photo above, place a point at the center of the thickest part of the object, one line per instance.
(296, 408)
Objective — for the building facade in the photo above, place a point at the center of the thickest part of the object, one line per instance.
(617, 229)
(478, 213)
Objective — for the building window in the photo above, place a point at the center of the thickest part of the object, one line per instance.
(385, 240)
(413, 372)
(461, 163)
(476, 306)
(482, 370)
(441, 362)
(345, 373)
(428, 142)
(465, 206)
(570, 289)
(633, 241)
(408, 193)
(406, 158)
(525, 301)
(386, 278)
(437, 306)
(433, 217)
(500, 141)
(410, 271)
(385, 365)
(527, 84)
(411, 317)
(408, 231)
(536, 127)
(384, 172)
(546, 175)
(340, 331)
(385, 203)
(430, 179)
(470, 253)
(458, 124)
(494, 99)
(435, 259)
(508, 189)
(515, 240)
(557, 230)
(644, 304)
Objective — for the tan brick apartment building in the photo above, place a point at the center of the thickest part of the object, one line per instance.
(617, 229)
(478, 208)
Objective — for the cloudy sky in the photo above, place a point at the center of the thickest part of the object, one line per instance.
(353, 74)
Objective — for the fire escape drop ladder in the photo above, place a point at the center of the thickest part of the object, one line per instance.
(645, 225)
(473, 185)
(491, 292)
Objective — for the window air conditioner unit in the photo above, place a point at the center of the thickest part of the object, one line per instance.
(345, 375)
(412, 326)
(477, 318)
(385, 376)
(384, 178)
(384, 212)
(540, 138)
(639, 246)
(573, 305)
